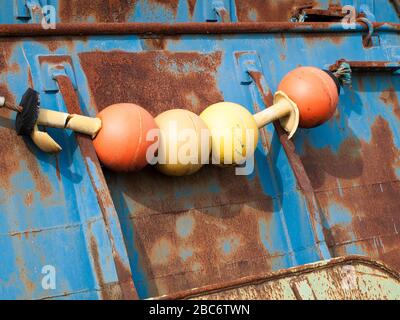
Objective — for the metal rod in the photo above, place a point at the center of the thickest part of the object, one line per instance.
(85, 29)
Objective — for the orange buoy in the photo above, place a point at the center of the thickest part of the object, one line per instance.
(121, 144)
(314, 91)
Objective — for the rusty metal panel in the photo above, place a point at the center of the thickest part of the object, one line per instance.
(333, 191)
(51, 214)
(154, 225)
(351, 278)
(172, 11)
(357, 178)
(168, 231)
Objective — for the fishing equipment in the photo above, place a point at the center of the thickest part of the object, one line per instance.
(306, 97)
(123, 141)
(315, 93)
(121, 146)
(184, 143)
(233, 129)
(30, 116)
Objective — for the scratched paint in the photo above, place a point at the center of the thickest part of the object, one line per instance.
(351, 278)
(169, 11)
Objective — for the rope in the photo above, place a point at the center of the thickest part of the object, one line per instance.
(343, 73)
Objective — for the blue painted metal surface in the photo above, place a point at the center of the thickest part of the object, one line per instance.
(21, 11)
(177, 234)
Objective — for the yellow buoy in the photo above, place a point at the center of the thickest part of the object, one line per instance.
(234, 132)
(184, 143)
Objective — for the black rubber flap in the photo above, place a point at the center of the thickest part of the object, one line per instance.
(27, 119)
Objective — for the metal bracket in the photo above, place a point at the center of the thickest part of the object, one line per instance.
(29, 9)
(22, 11)
(371, 39)
(216, 11)
(369, 66)
(247, 61)
(52, 66)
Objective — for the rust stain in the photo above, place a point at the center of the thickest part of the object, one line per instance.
(30, 286)
(158, 81)
(360, 82)
(324, 166)
(6, 49)
(169, 5)
(100, 10)
(368, 190)
(374, 226)
(54, 44)
(155, 43)
(189, 236)
(282, 39)
(9, 96)
(315, 39)
(8, 164)
(192, 6)
(267, 286)
(356, 162)
(42, 183)
(109, 291)
(56, 59)
(337, 39)
(5, 92)
(111, 11)
(28, 199)
(94, 250)
(13, 150)
(125, 279)
(333, 3)
(152, 43)
(390, 97)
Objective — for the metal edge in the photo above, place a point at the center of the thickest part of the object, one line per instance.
(108, 210)
(269, 276)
